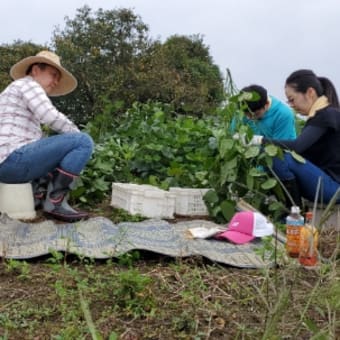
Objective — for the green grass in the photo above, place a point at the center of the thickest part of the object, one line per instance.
(148, 296)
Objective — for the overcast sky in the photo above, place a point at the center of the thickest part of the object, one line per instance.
(260, 41)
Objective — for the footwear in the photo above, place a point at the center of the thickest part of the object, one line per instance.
(292, 187)
(55, 204)
(39, 188)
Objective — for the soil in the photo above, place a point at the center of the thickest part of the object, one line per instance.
(190, 298)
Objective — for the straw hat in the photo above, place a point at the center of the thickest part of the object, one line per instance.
(67, 81)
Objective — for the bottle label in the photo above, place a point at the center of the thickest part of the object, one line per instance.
(295, 222)
(293, 226)
(308, 255)
(293, 240)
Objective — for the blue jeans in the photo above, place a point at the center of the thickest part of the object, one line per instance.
(68, 151)
(307, 176)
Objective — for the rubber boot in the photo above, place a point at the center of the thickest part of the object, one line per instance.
(292, 187)
(39, 188)
(56, 205)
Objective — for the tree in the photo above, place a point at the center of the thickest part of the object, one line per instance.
(181, 72)
(99, 49)
(11, 54)
(114, 59)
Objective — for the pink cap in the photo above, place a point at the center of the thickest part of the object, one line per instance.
(245, 226)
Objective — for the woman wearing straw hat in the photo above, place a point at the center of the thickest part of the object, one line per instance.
(25, 155)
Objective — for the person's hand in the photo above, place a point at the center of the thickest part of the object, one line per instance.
(256, 140)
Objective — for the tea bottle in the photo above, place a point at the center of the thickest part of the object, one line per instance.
(309, 237)
(294, 222)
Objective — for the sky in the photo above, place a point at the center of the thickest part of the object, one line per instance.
(259, 41)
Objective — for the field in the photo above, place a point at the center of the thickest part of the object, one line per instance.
(144, 295)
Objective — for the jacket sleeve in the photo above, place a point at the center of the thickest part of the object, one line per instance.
(42, 109)
(309, 135)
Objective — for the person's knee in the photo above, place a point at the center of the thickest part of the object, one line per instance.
(289, 159)
(282, 166)
(86, 141)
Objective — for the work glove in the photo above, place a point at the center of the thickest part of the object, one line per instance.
(256, 140)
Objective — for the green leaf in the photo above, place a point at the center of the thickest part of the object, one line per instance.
(234, 99)
(269, 184)
(311, 325)
(159, 115)
(271, 150)
(154, 147)
(210, 197)
(231, 164)
(256, 172)
(229, 171)
(226, 145)
(274, 206)
(269, 161)
(252, 152)
(113, 336)
(297, 157)
(250, 181)
(228, 209)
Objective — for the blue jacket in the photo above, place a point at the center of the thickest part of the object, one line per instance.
(277, 123)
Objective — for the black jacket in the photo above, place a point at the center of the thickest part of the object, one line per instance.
(319, 141)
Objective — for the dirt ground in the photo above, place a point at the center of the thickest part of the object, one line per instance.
(149, 296)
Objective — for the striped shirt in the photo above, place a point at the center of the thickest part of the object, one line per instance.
(24, 106)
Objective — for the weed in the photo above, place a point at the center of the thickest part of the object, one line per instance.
(88, 317)
(131, 293)
(18, 267)
(189, 298)
(55, 260)
(128, 259)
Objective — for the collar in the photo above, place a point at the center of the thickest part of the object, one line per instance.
(269, 102)
(319, 104)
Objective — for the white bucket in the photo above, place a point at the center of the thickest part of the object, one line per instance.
(16, 200)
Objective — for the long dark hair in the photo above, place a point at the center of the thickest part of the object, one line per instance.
(301, 80)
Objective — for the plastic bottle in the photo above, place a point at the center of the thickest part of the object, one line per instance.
(309, 238)
(294, 222)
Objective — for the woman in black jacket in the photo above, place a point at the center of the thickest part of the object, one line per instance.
(319, 141)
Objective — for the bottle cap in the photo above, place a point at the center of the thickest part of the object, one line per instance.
(295, 209)
(309, 215)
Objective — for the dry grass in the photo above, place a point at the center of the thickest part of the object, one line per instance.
(143, 295)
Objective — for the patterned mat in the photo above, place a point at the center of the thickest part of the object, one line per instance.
(100, 238)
